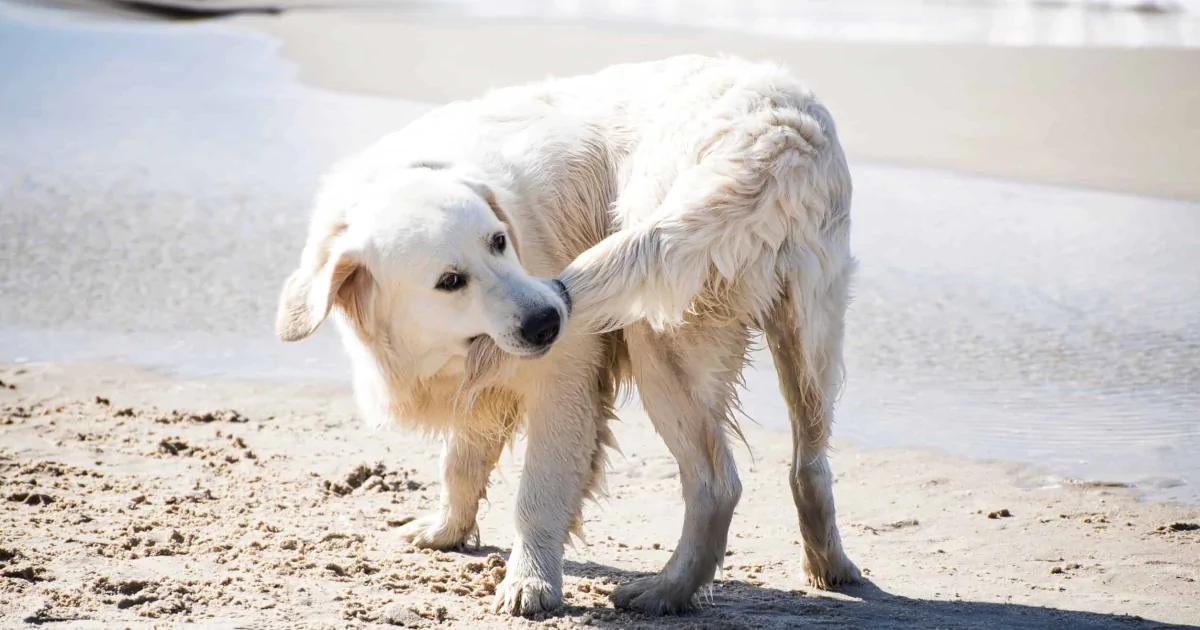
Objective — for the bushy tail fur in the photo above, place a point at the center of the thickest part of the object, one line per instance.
(764, 207)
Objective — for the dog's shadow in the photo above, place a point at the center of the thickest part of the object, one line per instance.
(734, 604)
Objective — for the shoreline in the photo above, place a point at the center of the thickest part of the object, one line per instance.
(319, 362)
(974, 333)
(917, 523)
(960, 339)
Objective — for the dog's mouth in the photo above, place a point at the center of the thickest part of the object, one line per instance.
(534, 353)
(528, 352)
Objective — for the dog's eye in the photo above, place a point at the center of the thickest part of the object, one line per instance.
(451, 282)
(499, 242)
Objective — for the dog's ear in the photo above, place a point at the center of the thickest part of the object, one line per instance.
(490, 197)
(310, 293)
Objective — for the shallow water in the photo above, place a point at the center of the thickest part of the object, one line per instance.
(154, 188)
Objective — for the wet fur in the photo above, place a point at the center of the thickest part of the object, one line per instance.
(683, 205)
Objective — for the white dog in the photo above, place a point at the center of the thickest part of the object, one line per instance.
(681, 205)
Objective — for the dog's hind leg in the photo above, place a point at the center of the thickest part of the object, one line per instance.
(686, 379)
(467, 462)
(805, 338)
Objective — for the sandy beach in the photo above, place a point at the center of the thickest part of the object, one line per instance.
(1089, 117)
(1016, 446)
(137, 500)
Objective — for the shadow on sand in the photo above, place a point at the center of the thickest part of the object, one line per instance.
(736, 605)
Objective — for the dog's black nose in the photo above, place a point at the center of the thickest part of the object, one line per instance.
(540, 327)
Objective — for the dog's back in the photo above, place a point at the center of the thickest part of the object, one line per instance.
(733, 214)
(686, 203)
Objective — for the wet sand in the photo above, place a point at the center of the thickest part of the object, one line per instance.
(1046, 324)
(156, 206)
(139, 500)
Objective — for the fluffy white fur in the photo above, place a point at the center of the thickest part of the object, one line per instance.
(681, 205)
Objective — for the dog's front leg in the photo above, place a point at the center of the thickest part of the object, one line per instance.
(562, 440)
(467, 462)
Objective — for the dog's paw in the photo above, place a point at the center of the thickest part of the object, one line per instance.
(524, 596)
(827, 574)
(654, 596)
(433, 532)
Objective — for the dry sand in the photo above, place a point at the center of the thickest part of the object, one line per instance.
(134, 500)
(1113, 119)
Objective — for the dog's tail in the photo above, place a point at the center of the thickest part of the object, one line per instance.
(758, 209)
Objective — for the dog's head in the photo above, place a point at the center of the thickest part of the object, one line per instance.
(420, 264)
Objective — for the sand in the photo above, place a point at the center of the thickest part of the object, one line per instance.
(130, 498)
(1108, 118)
(138, 500)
